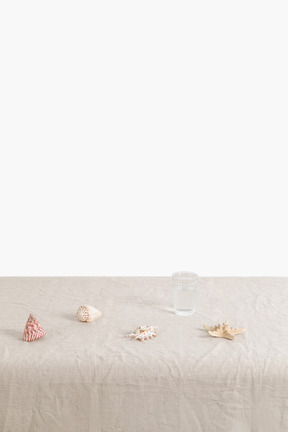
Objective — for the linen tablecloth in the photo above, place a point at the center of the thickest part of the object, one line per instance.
(90, 378)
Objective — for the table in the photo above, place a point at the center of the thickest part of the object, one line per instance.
(90, 378)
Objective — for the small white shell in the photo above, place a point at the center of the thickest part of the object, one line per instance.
(88, 313)
(144, 332)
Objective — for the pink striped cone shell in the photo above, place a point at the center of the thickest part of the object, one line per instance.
(32, 330)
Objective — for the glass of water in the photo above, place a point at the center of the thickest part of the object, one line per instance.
(185, 292)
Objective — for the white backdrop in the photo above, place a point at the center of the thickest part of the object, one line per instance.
(142, 138)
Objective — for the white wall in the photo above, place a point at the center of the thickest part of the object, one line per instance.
(143, 137)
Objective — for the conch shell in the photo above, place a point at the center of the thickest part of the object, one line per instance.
(223, 331)
(32, 330)
(88, 313)
(144, 332)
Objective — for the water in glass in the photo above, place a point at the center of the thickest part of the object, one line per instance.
(185, 292)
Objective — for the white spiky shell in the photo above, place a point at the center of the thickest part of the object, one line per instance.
(88, 313)
(144, 332)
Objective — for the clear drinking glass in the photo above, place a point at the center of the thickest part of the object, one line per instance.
(185, 292)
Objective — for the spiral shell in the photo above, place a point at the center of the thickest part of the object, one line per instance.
(88, 313)
(32, 330)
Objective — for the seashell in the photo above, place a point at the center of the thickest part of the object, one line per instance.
(88, 313)
(223, 331)
(144, 332)
(32, 330)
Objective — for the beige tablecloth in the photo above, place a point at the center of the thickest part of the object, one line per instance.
(89, 378)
